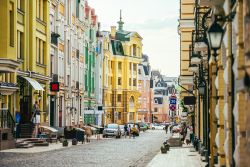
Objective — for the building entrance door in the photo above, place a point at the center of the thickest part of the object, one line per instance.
(25, 109)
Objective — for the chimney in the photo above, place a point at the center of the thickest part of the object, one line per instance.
(113, 31)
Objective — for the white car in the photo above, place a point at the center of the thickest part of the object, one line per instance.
(157, 127)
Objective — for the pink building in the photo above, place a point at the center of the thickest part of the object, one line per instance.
(147, 95)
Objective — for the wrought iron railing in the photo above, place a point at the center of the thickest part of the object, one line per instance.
(6, 120)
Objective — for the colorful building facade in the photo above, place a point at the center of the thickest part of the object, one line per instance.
(146, 98)
(125, 49)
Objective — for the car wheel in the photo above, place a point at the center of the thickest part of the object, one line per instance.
(163, 128)
(153, 128)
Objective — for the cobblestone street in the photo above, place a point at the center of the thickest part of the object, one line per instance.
(115, 152)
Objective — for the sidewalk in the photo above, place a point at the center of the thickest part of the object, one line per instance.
(177, 157)
(51, 147)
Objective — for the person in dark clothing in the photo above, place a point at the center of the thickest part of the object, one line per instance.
(166, 128)
(126, 130)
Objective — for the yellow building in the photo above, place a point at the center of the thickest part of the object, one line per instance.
(25, 46)
(121, 96)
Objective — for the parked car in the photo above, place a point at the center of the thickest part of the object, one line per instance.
(122, 130)
(143, 126)
(157, 127)
(112, 130)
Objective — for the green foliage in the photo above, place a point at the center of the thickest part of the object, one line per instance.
(184, 109)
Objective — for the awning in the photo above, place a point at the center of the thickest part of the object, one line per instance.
(34, 83)
(49, 128)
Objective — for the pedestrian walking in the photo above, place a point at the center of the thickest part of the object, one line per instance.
(125, 130)
(188, 135)
(133, 131)
(166, 128)
(88, 132)
(129, 131)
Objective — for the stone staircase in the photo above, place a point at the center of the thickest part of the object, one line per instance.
(26, 130)
(31, 142)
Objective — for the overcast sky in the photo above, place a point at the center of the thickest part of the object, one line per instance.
(156, 21)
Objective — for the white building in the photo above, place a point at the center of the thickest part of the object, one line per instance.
(67, 62)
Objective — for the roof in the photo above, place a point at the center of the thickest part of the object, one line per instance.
(125, 35)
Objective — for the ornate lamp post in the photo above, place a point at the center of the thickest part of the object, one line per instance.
(215, 35)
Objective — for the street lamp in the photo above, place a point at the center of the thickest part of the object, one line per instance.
(215, 35)
(201, 88)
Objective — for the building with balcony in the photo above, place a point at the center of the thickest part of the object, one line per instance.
(25, 48)
(125, 49)
(161, 93)
(67, 22)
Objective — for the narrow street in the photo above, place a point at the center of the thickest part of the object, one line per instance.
(110, 152)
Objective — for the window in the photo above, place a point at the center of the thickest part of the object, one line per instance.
(130, 82)
(69, 55)
(20, 45)
(155, 109)
(111, 64)
(39, 51)
(134, 67)
(130, 66)
(119, 81)
(86, 82)
(134, 82)
(11, 24)
(40, 9)
(119, 65)
(119, 115)
(20, 5)
(111, 98)
(119, 97)
(134, 49)
(139, 71)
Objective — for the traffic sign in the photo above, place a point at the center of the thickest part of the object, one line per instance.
(172, 101)
(172, 107)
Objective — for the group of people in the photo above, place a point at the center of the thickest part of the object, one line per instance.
(130, 131)
(186, 132)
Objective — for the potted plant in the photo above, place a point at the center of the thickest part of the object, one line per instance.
(167, 146)
(74, 141)
(163, 150)
(65, 143)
